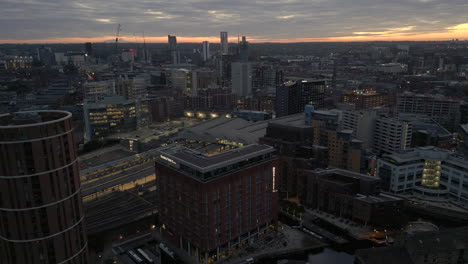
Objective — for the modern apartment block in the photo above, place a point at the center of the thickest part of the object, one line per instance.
(428, 170)
(392, 135)
(41, 213)
(443, 110)
(216, 198)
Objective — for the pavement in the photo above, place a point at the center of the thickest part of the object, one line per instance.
(294, 239)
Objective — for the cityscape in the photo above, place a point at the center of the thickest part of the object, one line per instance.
(133, 148)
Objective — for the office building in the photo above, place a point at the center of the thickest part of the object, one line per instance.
(443, 110)
(351, 195)
(264, 77)
(114, 114)
(392, 135)
(42, 218)
(206, 50)
(216, 198)
(428, 170)
(97, 90)
(241, 77)
(365, 99)
(224, 43)
(292, 97)
(173, 49)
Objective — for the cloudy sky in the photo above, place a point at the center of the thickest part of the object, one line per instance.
(49, 21)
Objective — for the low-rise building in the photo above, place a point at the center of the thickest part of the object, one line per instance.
(351, 195)
(428, 170)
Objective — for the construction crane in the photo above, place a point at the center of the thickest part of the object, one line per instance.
(117, 35)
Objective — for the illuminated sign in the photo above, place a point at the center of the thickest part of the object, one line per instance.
(273, 170)
(167, 159)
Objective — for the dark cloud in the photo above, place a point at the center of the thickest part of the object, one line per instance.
(42, 19)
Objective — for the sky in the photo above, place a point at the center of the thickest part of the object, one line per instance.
(68, 21)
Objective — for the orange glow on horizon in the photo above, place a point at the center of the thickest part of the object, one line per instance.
(455, 32)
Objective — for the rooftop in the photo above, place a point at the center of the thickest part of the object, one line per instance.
(32, 118)
(236, 129)
(429, 152)
(202, 162)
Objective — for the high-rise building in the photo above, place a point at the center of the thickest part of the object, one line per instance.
(89, 48)
(42, 217)
(443, 110)
(173, 49)
(243, 50)
(392, 135)
(213, 201)
(224, 43)
(265, 77)
(292, 97)
(206, 50)
(241, 76)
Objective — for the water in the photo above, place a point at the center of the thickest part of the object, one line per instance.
(330, 256)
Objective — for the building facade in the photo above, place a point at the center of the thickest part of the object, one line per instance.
(369, 99)
(211, 204)
(292, 97)
(443, 110)
(41, 213)
(241, 76)
(392, 135)
(428, 170)
(350, 195)
(113, 115)
(224, 43)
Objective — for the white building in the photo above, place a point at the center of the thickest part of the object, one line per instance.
(241, 76)
(392, 135)
(362, 123)
(427, 170)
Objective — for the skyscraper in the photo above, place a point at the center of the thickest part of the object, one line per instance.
(174, 51)
(292, 97)
(42, 218)
(206, 50)
(241, 75)
(224, 43)
(243, 50)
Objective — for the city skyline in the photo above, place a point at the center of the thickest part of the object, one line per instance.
(51, 21)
